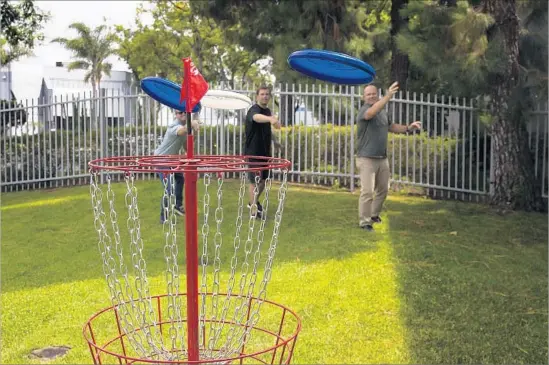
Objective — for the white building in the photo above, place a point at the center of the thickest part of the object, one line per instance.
(67, 99)
(53, 94)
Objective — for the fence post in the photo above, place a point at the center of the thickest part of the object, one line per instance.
(352, 153)
(222, 133)
(102, 120)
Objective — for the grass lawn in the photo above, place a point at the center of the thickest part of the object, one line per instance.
(438, 282)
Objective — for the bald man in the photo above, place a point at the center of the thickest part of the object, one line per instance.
(371, 161)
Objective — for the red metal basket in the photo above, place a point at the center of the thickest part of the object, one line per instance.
(268, 338)
(276, 337)
(182, 163)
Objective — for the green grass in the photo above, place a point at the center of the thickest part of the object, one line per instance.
(439, 282)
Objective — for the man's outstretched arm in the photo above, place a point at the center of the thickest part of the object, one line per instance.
(402, 128)
(380, 104)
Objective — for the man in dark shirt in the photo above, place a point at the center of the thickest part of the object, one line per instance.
(371, 160)
(258, 143)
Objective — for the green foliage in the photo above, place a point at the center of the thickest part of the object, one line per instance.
(447, 47)
(371, 40)
(533, 47)
(277, 28)
(177, 32)
(450, 53)
(311, 149)
(21, 24)
(91, 48)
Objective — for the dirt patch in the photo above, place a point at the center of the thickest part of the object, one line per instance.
(49, 353)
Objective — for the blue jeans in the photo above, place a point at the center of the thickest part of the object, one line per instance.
(179, 183)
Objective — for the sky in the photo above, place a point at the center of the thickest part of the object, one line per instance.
(63, 13)
(27, 72)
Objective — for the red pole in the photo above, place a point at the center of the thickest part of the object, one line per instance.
(191, 235)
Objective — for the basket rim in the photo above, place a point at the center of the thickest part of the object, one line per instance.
(183, 163)
(87, 330)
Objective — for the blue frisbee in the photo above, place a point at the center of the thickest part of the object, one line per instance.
(166, 92)
(330, 66)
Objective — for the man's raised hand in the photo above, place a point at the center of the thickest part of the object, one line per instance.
(393, 89)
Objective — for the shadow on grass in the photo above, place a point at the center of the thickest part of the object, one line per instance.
(473, 284)
(49, 236)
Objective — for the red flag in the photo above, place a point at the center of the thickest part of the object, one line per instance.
(194, 87)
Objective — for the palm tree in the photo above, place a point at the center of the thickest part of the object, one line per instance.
(91, 48)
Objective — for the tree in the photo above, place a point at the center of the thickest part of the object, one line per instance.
(371, 40)
(21, 24)
(483, 49)
(277, 28)
(91, 49)
(399, 60)
(446, 47)
(178, 31)
(533, 47)
(514, 183)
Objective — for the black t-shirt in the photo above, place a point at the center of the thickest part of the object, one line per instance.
(258, 135)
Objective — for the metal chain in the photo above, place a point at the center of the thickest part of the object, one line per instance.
(144, 303)
(218, 241)
(217, 327)
(243, 301)
(204, 258)
(105, 248)
(254, 313)
(169, 227)
(126, 297)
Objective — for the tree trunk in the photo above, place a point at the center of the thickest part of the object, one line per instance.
(331, 20)
(399, 61)
(514, 182)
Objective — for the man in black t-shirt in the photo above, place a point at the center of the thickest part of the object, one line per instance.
(258, 142)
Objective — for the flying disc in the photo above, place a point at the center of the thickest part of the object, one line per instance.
(330, 66)
(222, 99)
(166, 92)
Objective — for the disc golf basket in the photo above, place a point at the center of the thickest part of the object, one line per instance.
(223, 316)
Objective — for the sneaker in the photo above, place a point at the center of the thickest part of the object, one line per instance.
(259, 213)
(179, 210)
(376, 219)
(368, 228)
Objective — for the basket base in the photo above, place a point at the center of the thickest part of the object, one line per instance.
(269, 340)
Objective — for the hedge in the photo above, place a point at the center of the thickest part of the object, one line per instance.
(324, 149)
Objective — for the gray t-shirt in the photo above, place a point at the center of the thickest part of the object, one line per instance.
(372, 134)
(171, 143)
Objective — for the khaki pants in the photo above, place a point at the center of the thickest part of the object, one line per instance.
(374, 185)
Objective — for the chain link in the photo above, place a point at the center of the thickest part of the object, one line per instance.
(216, 327)
(144, 303)
(218, 241)
(169, 227)
(204, 258)
(248, 246)
(254, 313)
(104, 243)
(234, 342)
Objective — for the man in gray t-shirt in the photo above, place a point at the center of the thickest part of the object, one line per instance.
(373, 166)
(172, 144)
